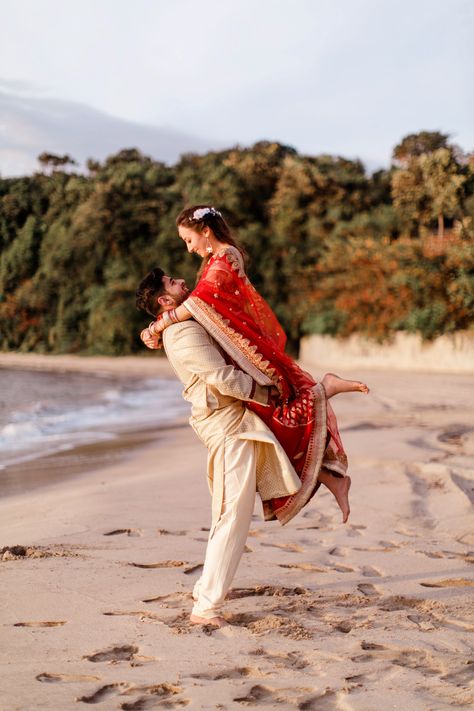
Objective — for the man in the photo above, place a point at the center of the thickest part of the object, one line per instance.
(244, 455)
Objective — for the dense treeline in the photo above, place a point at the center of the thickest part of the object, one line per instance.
(332, 249)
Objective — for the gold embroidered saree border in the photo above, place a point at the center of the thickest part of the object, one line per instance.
(313, 463)
(245, 355)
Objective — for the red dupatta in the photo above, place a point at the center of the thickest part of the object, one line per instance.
(239, 319)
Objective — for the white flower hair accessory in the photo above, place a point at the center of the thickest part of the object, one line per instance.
(203, 211)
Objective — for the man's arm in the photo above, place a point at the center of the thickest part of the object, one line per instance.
(200, 355)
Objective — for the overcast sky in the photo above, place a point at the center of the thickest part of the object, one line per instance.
(347, 77)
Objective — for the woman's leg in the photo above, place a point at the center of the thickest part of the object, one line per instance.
(334, 385)
(338, 486)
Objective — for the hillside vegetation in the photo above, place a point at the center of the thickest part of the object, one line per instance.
(333, 250)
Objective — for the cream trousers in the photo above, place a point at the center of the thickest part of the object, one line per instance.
(228, 535)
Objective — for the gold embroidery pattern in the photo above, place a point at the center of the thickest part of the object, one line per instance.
(314, 459)
(228, 337)
(235, 261)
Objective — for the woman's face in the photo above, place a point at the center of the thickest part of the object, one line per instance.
(196, 242)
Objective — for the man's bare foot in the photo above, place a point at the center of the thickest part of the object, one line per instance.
(216, 621)
(339, 487)
(334, 385)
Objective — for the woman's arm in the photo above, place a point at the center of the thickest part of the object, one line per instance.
(180, 313)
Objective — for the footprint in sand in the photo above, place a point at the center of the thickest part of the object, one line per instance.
(383, 547)
(48, 623)
(120, 653)
(416, 659)
(368, 571)
(161, 564)
(172, 600)
(400, 602)
(289, 660)
(260, 694)
(338, 551)
(329, 701)
(464, 485)
(466, 538)
(270, 623)
(128, 531)
(462, 676)
(342, 568)
(285, 546)
(17, 552)
(308, 567)
(155, 694)
(143, 615)
(449, 583)
(267, 590)
(368, 590)
(53, 678)
(193, 568)
(234, 673)
(102, 693)
(424, 622)
(454, 435)
(165, 532)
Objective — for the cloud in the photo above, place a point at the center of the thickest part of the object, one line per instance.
(30, 125)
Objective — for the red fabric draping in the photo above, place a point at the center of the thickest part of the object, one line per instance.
(228, 305)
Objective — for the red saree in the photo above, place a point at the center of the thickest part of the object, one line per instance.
(239, 319)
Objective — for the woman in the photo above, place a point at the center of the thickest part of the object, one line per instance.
(239, 319)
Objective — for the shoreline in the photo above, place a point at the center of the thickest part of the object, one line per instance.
(35, 469)
(138, 366)
(47, 470)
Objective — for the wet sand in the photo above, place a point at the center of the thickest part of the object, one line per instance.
(373, 614)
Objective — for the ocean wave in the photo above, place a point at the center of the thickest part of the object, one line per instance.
(49, 426)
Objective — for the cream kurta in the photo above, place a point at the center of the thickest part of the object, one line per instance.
(217, 392)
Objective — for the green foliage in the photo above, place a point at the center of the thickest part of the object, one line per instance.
(333, 250)
(376, 288)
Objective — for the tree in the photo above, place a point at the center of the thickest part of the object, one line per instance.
(52, 161)
(443, 181)
(416, 144)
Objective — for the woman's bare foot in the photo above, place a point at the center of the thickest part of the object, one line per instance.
(334, 385)
(216, 621)
(339, 487)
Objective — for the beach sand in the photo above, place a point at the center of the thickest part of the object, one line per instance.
(376, 613)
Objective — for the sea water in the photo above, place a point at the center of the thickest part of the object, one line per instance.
(43, 412)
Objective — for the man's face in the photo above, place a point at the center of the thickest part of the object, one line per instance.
(175, 288)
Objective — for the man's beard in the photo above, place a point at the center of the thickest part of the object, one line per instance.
(178, 300)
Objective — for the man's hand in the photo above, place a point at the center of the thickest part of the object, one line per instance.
(152, 342)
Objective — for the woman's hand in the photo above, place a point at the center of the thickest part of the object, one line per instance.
(156, 327)
(151, 341)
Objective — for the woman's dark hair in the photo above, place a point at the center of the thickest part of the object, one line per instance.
(149, 289)
(214, 220)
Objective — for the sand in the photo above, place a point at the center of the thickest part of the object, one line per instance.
(377, 613)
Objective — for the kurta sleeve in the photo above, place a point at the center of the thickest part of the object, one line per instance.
(200, 355)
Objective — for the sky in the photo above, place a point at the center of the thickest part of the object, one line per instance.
(345, 77)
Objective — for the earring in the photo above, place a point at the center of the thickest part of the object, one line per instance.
(208, 247)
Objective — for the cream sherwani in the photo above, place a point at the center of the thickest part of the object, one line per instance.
(244, 455)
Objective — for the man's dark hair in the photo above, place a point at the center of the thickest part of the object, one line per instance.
(149, 289)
